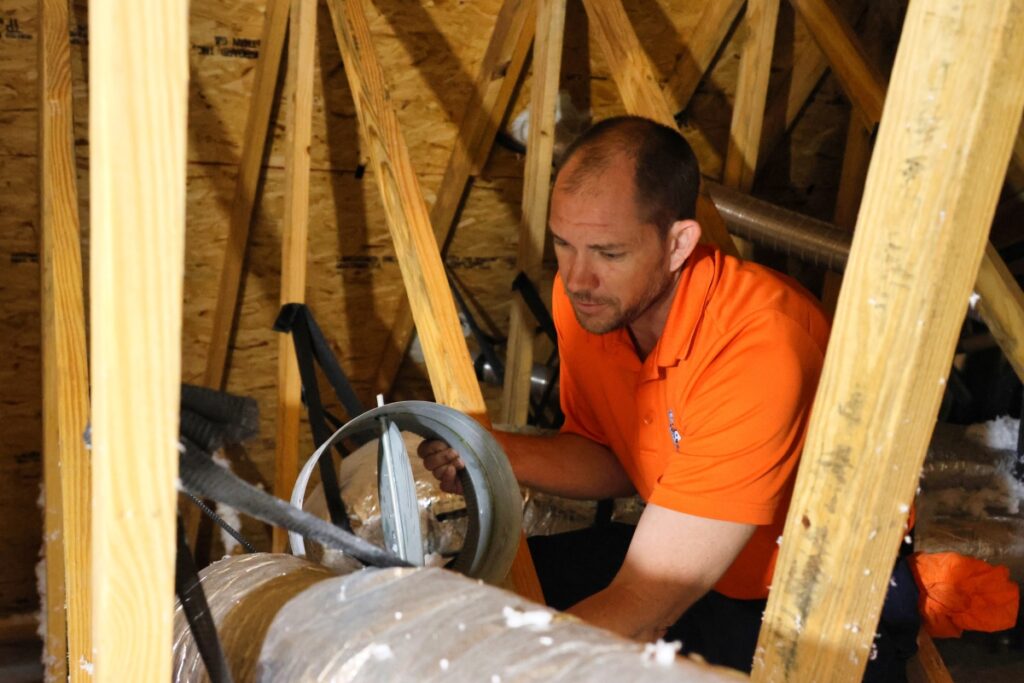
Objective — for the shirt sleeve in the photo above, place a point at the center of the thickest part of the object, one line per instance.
(579, 419)
(744, 424)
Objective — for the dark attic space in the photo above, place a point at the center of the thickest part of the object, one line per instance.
(511, 340)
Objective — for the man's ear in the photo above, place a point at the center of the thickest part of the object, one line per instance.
(683, 237)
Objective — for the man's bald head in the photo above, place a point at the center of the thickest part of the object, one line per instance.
(666, 177)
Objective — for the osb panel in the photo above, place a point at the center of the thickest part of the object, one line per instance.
(430, 51)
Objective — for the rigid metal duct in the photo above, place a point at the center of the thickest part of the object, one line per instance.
(787, 231)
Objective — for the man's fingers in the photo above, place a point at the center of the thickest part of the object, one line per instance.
(439, 455)
(443, 462)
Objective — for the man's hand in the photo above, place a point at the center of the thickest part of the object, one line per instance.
(444, 462)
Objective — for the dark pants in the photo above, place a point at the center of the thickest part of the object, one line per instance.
(723, 630)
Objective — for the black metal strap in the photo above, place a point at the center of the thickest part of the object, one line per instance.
(203, 478)
(531, 298)
(483, 340)
(311, 346)
(197, 612)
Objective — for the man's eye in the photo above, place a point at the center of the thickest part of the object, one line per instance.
(611, 256)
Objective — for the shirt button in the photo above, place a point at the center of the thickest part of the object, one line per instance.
(648, 419)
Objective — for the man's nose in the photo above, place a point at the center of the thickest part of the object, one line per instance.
(579, 276)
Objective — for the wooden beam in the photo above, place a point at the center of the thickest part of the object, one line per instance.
(699, 50)
(65, 366)
(1016, 172)
(492, 93)
(634, 76)
(254, 142)
(547, 61)
(861, 81)
(1000, 304)
(448, 362)
(1004, 309)
(931, 189)
(138, 104)
(261, 103)
(787, 99)
(294, 243)
(56, 160)
(927, 666)
(499, 72)
(751, 94)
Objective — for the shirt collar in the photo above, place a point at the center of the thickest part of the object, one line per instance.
(689, 302)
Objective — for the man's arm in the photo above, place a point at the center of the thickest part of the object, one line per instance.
(673, 560)
(565, 465)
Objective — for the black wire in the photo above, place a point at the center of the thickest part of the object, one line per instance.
(222, 524)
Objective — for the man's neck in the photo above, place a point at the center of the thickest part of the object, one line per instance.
(646, 330)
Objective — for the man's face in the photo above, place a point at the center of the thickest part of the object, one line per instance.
(613, 265)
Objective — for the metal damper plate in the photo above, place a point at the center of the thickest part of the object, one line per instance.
(493, 501)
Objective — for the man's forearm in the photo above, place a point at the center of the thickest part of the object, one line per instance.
(636, 611)
(566, 465)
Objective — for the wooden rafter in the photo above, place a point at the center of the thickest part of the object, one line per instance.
(254, 142)
(499, 72)
(1004, 309)
(700, 48)
(789, 96)
(137, 144)
(547, 59)
(634, 76)
(899, 316)
(862, 82)
(433, 308)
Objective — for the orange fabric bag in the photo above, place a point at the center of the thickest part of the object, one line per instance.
(961, 593)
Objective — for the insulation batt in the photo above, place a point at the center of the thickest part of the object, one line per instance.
(970, 502)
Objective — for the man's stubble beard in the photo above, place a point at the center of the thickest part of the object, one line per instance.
(622, 318)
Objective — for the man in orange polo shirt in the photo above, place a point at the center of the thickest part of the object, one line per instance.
(686, 376)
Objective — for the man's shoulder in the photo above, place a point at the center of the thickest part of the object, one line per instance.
(750, 296)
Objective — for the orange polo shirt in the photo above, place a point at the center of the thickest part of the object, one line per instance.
(713, 421)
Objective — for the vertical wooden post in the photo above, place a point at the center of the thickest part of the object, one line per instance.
(261, 102)
(138, 79)
(547, 60)
(54, 64)
(499, 72)
(299, 118)
(638, 88)
(751, 94)
(65, 371)
(942, 151)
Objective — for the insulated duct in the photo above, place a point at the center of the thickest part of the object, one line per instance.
(780, 229)
(281, 618)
